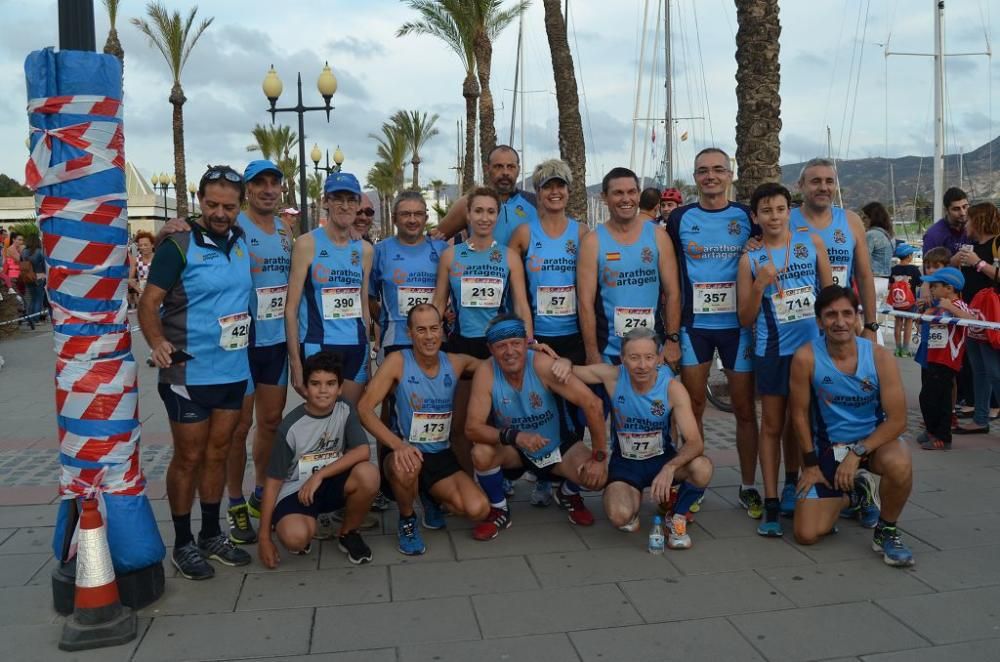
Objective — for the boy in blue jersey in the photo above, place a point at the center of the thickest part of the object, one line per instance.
(776, 288)
(848, 410)
(196, 302)
(419, 457)
(645, 400)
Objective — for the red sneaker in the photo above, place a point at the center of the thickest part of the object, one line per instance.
(489, 528)
(578, 513)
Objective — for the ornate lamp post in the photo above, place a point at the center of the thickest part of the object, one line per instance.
(327, 86)
(338, 160)
(163, 181)
(193, 190)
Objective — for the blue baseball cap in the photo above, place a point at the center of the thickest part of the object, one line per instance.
(904, 250)
(342, 181)
(948, 276)
(254, 168)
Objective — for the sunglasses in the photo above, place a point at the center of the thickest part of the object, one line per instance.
(367, 212)
(216, 173)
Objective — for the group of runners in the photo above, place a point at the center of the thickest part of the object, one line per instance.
(533, 345)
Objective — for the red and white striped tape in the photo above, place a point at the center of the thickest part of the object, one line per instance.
(79, 104)
(103, 142)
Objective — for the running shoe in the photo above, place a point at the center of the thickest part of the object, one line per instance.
(696, 506)
(489, 528)
(408, 533)
(888, 543)
(922, 437)
(433, 515)
(304, 552)
(220, 548)
(529, 476)
(868, 503)
(508, 487)
(541, 495)
(370, 521)
(850, 512)
(190, 563)
(678, 537)
(751, 500)
(380, 503)
(254, 505)
(770, 529)
(354, 546)
(240, 528)
(578, 512)
(631, 526)
(788, 499)
(325, 525)
(869, 515)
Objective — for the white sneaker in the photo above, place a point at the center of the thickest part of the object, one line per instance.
(632, 526)
(678, 537)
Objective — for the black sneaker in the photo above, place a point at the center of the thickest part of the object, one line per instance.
(357, 551)
(380, 503)
(240, 528)
(190, 563)
(220, 548)
(254, 505)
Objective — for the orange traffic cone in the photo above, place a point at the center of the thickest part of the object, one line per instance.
(98, 619)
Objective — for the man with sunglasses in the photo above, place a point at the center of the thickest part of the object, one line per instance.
(194, 315)
(363, 219)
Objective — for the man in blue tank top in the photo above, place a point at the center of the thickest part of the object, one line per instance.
(645, 400)
(194, 315)
(625, 267)
(418, 438)
(503, 167)
(514, 423)
(848, 410)
(710, 237)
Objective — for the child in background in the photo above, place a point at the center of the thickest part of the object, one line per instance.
(942, 347)
(909, 274)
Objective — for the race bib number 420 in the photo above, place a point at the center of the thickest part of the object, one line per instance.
(234, 332)
(627, 319)
(794, 304)
(482, 292)
(341, 303)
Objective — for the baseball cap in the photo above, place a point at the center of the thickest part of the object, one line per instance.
(342, 181)
(254, 168)
(290, 210)
(672, 194)
(948, 276)
(550, 171)
(904, 250)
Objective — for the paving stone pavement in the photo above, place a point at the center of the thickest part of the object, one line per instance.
(544, 589)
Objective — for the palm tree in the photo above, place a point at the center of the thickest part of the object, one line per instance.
(275, 143)
(175, 37)
(448, 20)
(488, 21)
(758, 109)
(392, 149)
(572, 149)
(315, 189)
(382, 178)
(112, 46)
(417, 129)
(437, 186)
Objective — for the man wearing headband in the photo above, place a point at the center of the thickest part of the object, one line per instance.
(528, 428)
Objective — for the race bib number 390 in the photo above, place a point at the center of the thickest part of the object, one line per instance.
(794, 304)
(839, 272)
(234, 331)
(482, 292)
(627, 319)
(341, 303)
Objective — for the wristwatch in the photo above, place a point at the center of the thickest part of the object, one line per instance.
(599, 455)
(859, 449)
(673, 337)
(872, 326)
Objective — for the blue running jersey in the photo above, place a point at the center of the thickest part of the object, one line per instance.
(270, 261)
(519, 208)
(640, 425)
(845, 408)
(330, 312)
(711, 243)
(550, 270)
(786, 319)
(403, 276)
(532, 409)
(479, 283)
(423, 411)
(839, 242)
(628, 287)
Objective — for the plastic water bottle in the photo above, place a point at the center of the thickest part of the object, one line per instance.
(656, 536)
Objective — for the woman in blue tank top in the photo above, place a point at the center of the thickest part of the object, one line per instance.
(480, 279)
(776, 289)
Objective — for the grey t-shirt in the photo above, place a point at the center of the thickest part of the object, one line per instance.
(318, 438)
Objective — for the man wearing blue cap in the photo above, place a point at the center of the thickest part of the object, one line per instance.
(270, 247)
(327, 306)
(904, 278)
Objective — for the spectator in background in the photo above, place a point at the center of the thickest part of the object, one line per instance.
(649, 204)
(670, 200)
(878, 236)
(35, 288)
(950, 230)
(138, 270)
(909, 274)
(363, 219)
(290, 218)
(10, 268)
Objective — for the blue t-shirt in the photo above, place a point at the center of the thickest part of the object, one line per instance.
(331, 312)
(402, 276)
(480, 284)
(519, 208)
(838, 239)
(270, 261)
(845, 408)
(550, 271)
(533, 408)
(637, 416)
(425, 402)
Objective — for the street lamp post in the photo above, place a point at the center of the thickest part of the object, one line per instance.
(163, 181)
(193, 190)
(327, 86)
(338, 160)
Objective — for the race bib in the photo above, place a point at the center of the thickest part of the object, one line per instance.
(541, 461)
(341, 303)
(556, 301)
(713, 298)
(310, 463)
(234, 331)
(627, 319)
(937, 338)
(409, 297)
(640, 445)
(794, 304)
(271, 302)
(839, 272)
(430, 427)
(481, 292)
(840, 451)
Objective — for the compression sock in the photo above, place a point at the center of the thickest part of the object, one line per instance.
(238, 501)
(182, 529)
(771, 509)
(492, 483)
(569, 488)
(686, 496)
(258, 492)
(209, 520)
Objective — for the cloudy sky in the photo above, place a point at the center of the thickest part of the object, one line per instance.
(833, 73)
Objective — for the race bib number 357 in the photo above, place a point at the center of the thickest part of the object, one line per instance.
(713, 298)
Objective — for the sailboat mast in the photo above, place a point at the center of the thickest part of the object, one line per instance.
(938, 108)
(517, 76)
(668, 125)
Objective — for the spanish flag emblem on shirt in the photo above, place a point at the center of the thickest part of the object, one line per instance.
(613, 257)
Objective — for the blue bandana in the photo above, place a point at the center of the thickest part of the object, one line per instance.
(505, 330)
